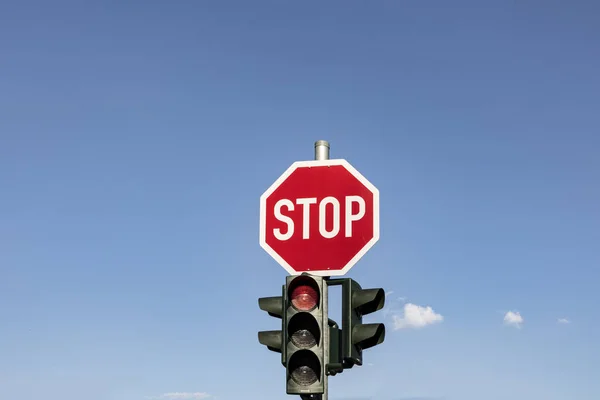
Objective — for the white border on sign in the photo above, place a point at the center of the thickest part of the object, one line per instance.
(319, 163)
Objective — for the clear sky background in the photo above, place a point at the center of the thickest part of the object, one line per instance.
(137, 137)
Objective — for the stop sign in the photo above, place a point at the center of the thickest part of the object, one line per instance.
(319, 217)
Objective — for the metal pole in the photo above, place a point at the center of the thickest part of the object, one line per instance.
(322, 153)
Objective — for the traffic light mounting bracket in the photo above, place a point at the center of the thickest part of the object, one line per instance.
(335, 361)
(354, 335)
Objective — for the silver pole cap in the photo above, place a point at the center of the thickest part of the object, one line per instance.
(322, 150)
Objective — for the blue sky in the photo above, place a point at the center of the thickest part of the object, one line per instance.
(137, 137)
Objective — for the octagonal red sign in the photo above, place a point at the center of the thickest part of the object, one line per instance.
(319, 217)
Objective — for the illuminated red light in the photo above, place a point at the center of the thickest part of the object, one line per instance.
(304, 297)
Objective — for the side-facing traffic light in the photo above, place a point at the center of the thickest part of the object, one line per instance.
(304, 346)
(275, 306)
(357, 336)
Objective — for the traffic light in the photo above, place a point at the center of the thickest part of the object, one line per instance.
(357, 336)
(275, 306)
(304, 327)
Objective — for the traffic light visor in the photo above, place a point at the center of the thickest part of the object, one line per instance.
(367, 301)
(368, 335)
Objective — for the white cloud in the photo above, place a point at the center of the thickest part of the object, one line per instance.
(513, 318)
(416, 317)
(391, 306)
(185, 396)
(564, 321)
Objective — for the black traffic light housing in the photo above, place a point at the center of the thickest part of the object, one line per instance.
(357, 336)
(305, 321)
(312, 346)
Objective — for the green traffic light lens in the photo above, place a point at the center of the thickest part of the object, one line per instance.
(305, 368)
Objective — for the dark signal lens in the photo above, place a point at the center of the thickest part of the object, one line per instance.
(304, 294)
(303, 338)
(304, 331)
(304, 375)
(305, 368)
